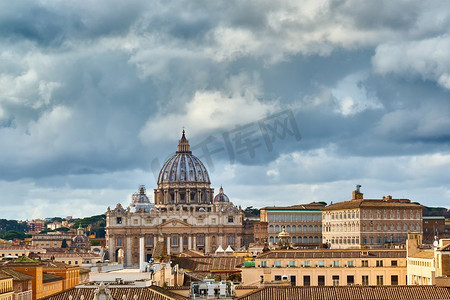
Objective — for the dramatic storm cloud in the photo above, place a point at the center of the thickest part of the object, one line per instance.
(285, 102)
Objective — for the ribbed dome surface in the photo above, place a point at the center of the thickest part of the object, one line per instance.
(183, 166)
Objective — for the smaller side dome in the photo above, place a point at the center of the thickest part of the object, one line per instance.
(140, 200)
(221, 197)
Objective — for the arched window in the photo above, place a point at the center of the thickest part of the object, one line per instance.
(276, 239)
(294, 240)
(316, 239)
(277, 228)
(271, 228)
(305, 239)
(305, 228)
(288, 228)
(418, 227)
(310, 228)
(230, 240)
(175, 240)
(271, 240)
(405, 227)
(316, 228)
(294, 228)
(119, 241)
(310, 239)
(299, 239)
(149, 240)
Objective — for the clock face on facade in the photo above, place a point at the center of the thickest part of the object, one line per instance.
(174, 223)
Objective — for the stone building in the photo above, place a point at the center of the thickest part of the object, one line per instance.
(427, 266)
(303, 223)
(185, 215)
(325, 267)
(370, 223)
(433, 226)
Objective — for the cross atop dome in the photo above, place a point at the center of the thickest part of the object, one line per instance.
(183, 144)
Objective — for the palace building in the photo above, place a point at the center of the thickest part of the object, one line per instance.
(370, 223)
(185, 215)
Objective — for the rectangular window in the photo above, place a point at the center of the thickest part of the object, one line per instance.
(350, 280)
(278, 263)
(119, 220)
(321, 263)
(277, 277)
(263, 264)
(379, 279)
(230, 219)
(292, 263)
(365, 280)
(335, 280)
(320, 280)
(364, 263)
(350, 263)
(379, 263)
(335, 263)
(306, 280)
(307, 263)
(213, 220)
(394, 263)
(394, 279)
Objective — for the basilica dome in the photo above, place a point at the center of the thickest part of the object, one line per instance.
(221, 197)
(183, 166)
(140, 201)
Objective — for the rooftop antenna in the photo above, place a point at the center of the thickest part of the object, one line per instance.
(358, 186)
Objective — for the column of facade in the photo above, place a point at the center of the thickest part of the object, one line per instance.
(127, 259)
(181, 243)
(238, 241)
(221, 240)
(206, 243)
(190, 242)
(194, 246)
(112, 249)
(168, 245)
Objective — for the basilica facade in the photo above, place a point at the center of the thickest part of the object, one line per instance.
(185, 215)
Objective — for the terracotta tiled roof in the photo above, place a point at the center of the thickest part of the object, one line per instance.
(47, 277)
(153, 292)
(68, 255)
(18, 276)
(309, 206)
(335, 253)
(350, 293)
(401, 203)
(191, 253)
(423, 254)
(18, 248)
(207, 264)
(4, 276)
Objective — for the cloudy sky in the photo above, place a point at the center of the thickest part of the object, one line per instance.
(285, 102)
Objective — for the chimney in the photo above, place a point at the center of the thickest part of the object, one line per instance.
(356, 195)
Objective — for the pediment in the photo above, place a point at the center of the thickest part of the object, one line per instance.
(175, 223)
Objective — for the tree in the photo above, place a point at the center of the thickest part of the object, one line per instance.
(13, 234)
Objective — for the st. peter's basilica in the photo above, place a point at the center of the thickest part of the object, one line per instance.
(185, 216)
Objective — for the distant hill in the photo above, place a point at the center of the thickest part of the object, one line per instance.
(435, 211)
